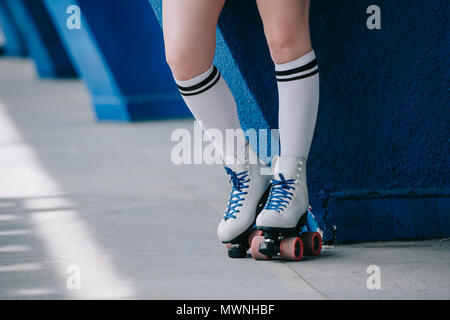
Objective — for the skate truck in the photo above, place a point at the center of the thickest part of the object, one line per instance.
(288, 244)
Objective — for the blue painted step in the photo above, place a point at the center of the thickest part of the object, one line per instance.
(15, 43)
(119, 53)
(43, 42)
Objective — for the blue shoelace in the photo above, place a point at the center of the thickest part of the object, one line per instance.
(280, 195)
(239, 181)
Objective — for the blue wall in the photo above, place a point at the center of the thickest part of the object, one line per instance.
(119, 52)
(15, 43)
(379, 165)
(43, 42)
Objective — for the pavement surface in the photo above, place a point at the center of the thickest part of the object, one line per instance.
(98, 210)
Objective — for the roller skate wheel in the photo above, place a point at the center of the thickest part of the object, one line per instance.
(291, 249)
(312, 243)
(253, 235)
(237, 252)
(257, 240)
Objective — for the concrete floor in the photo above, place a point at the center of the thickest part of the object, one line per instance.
(102, 205)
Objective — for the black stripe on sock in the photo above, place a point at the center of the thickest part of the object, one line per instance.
(201, 84)
(201, 91)
(300, 77)
(305, 67)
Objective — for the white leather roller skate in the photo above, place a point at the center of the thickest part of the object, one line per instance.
(250, 187)
(288, 228)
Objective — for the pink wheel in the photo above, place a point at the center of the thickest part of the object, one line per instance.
(291, 249)
(252, 235)
(257, 240)
(312, 243)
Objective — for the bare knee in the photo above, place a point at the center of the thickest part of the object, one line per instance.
(186, 63)
(179, 63)
(288, 46)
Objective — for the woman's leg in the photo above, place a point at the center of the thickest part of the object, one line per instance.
(286, 26)
(190, 42)
(190, 35)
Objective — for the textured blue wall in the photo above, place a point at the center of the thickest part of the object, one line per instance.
(42, 40)
(15, 43)
(379, 165)
(119, 52)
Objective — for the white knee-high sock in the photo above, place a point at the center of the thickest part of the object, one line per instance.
(211, 102)
(298, 91)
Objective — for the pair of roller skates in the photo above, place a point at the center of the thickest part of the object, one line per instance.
(266, 244)
(269, 216)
